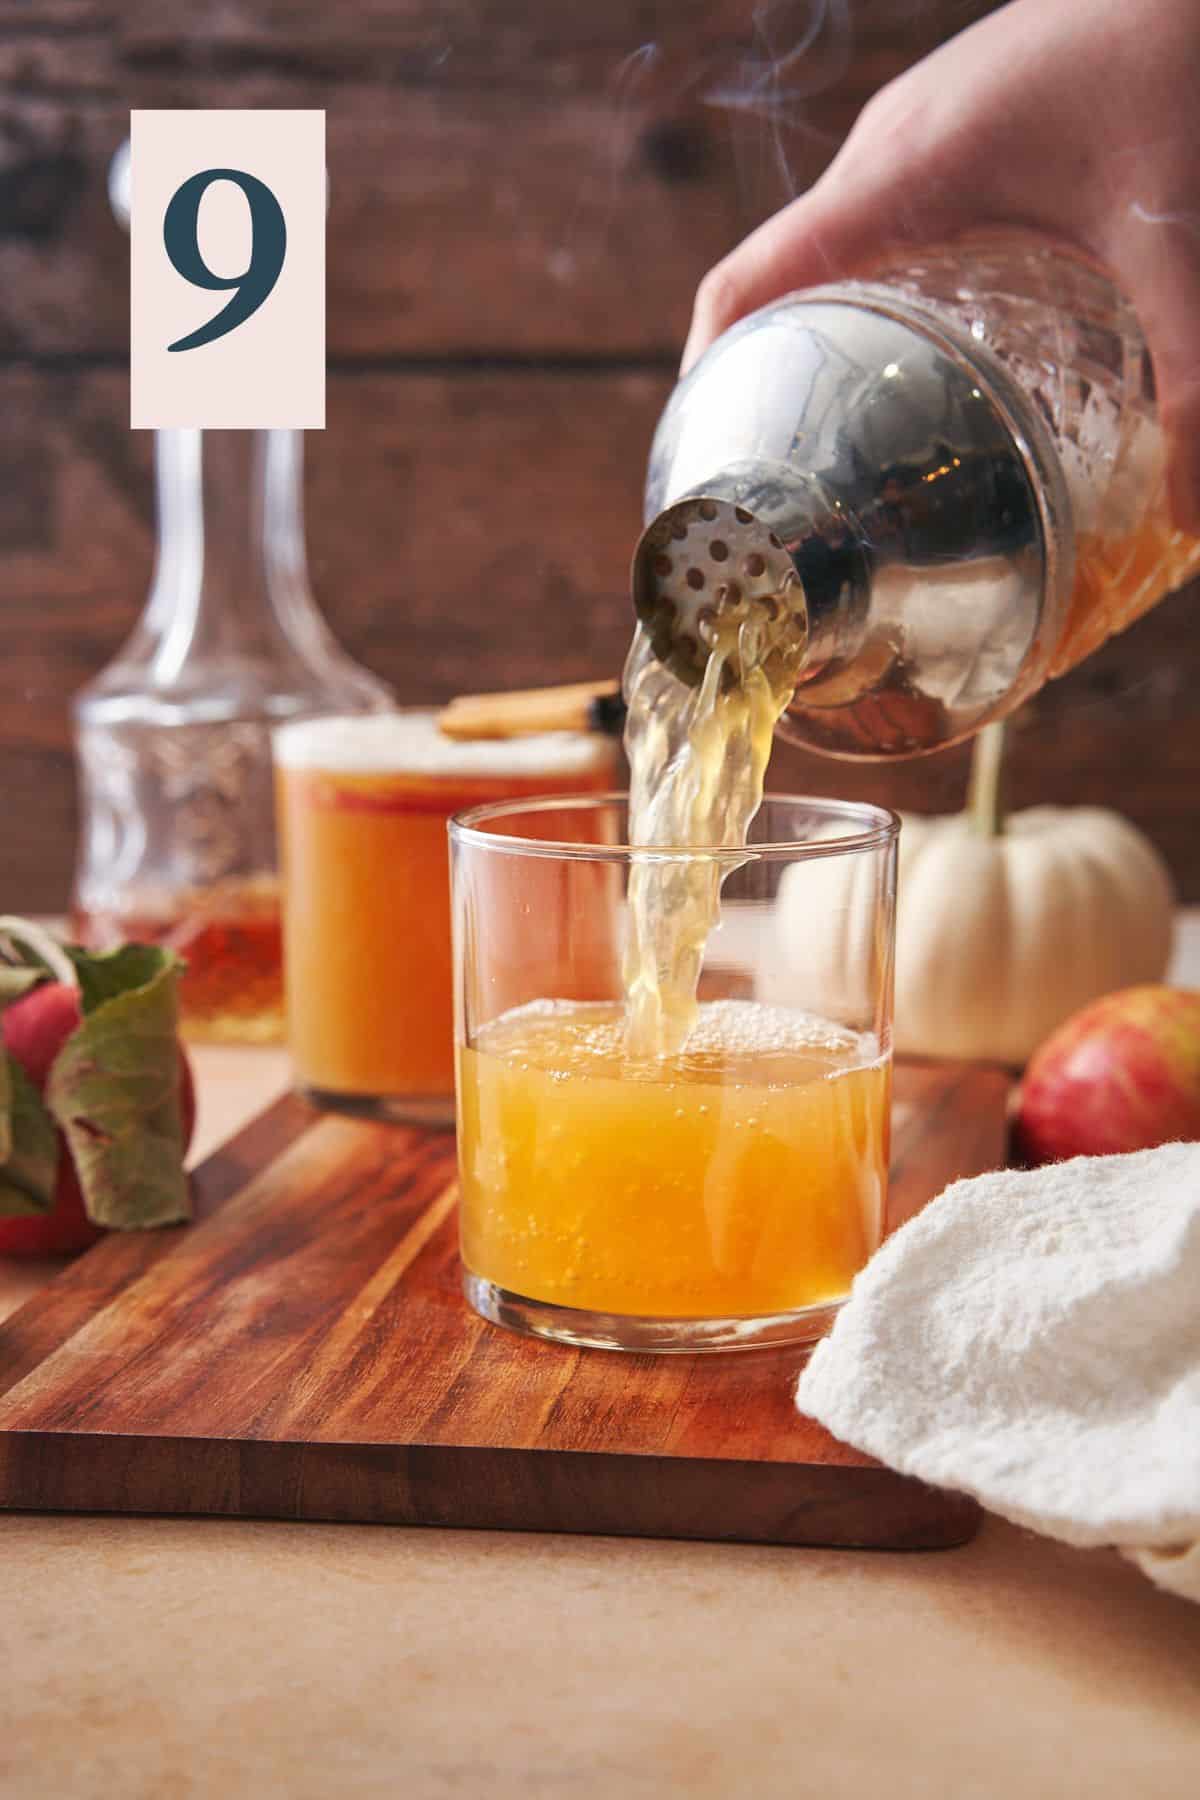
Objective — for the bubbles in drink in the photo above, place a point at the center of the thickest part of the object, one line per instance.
(729, 1041)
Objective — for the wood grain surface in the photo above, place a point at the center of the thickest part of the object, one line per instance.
(509, 176)
(303, 1351)
(523, 199)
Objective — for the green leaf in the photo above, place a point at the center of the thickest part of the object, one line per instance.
(13, 983)
(114, 1090)
(30, 1162)
(105, 974)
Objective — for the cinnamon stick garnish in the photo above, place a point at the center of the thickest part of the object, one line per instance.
(578, 706)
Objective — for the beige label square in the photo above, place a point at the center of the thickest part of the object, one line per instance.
(259, 225)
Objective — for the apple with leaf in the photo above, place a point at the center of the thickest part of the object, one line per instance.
(97, 1102)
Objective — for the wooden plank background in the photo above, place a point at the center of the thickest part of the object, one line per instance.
(524, 194)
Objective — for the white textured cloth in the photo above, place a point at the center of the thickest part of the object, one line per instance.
(1033, 1338)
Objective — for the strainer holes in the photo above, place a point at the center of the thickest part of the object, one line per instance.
(755, 564)
(695, 578)
(718, 550)
(707, 510)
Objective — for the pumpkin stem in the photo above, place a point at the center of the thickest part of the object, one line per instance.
(985, 810)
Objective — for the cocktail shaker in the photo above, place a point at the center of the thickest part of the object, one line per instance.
(951, 478)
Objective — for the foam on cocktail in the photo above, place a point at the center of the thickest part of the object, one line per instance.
(738, 1028)
(409, 743)
(725, 1030)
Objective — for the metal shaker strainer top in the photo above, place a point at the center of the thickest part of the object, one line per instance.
(701, 559)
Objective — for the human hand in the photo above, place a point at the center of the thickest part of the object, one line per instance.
(1074, 118)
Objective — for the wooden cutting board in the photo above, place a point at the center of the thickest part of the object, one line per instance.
(302, 1351)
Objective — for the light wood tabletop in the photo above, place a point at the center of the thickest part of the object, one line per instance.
(202, 1657)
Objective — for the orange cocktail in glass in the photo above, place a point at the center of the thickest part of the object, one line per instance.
(743, 1178)
(362, 807)
(723, 1189)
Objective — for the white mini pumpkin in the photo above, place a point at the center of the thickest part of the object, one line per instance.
(998, 940)
(1004, 927)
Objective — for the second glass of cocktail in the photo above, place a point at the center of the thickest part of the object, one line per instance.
(719, 1189)
(362, 805)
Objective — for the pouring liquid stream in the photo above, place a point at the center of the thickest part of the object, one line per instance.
(697, 759)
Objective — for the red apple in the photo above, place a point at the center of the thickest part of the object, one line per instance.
(37, 1026)
(1122, 1074)
(34, 1029)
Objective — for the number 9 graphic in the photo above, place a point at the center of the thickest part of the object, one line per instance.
(268, 246)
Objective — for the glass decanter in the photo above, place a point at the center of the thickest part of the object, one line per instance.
(173, 738)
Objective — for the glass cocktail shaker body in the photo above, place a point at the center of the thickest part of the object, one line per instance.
(955, 473)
